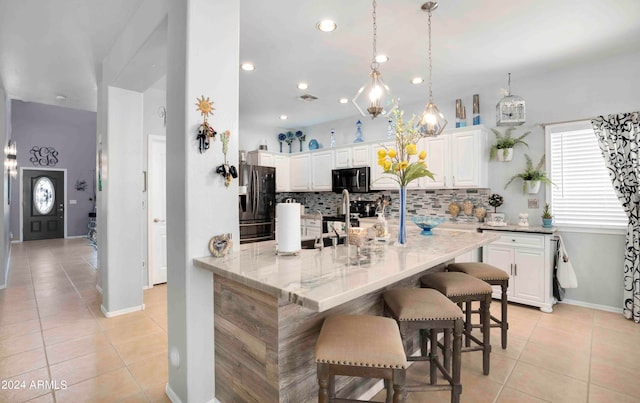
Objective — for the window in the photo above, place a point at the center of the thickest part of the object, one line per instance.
(583, 195)
(43, 195)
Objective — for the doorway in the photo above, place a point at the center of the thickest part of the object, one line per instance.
(157, 196)
(43, 204)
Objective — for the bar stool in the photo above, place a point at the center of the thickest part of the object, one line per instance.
(362, 346)
(464, 289)
(427, 311)
(492, 276)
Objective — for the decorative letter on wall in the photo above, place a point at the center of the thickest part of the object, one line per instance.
(43, 156)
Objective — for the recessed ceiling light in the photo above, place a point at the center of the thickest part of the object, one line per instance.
(327, 26)
(247, 66)
(303, 86)
(417, 80)
(61, 97)
(343, 100)
(382, 58)
(283, 117)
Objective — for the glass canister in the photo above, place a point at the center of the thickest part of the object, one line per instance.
(454, 208)
(481, 212)
(467, 207)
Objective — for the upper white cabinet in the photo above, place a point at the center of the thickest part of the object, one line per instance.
(300, 172)
(459, 158)
(348, 157)
(283, 173)
(321, 166)
(378, 179)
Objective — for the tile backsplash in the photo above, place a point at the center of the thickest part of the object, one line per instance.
(419, 201)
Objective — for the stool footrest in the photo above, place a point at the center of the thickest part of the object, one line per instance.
(421, 388)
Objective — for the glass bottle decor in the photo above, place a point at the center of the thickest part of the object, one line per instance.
(332, 142)
(481, 212)
(467, 207)
(454, 208)
(402, 227)
(359, 138)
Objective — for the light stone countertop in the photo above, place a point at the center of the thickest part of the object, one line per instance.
(323, 279)
(536, 229)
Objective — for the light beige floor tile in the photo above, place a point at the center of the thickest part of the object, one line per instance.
(149, 372)
(515, 344)
(610, 375)
(500, 365)
(615, 348)
(23, 292)
(20, 363)
(77, 348)
(157, 393)
(9, 316)
(110, 387)
(599, 394)
(143, 348)
(65, 318)
(20, 328)
(139, 397)
(129, 331)
(508, 395)
(48, 398)
(573, 312)
(20, 344)
(552, 321)
(81, 328)
(86, 366)
(25, 386)
(561, 339)
(546, 385)
(615, 321)
(121, 320)
(558, 359)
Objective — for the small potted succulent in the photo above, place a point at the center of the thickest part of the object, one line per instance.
(547, 218)
(503, 148)
(531, 177)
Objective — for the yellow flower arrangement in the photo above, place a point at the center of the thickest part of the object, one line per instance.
(404, 162)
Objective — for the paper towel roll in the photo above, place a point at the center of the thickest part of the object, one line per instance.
(288, 227)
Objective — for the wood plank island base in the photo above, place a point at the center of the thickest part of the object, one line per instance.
(268, 309)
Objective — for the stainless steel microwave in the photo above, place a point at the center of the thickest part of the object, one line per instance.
(355, 180)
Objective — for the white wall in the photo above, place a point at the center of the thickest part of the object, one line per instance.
(5, 132)
(575, 92)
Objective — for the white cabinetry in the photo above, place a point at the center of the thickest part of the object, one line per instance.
(459, 158)
(321, 165)
(283, 173)
(310, 228)
(378, 179)
(348, 157)
(528, 259)
(300, 172)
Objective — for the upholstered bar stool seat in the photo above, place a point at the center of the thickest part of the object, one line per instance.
(492, 276)
(427, 311)
(362, 346)
(464, 289)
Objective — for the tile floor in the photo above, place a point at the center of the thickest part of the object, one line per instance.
(52, 330)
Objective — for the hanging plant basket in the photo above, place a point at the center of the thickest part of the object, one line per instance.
(505, 154)
(532, 187)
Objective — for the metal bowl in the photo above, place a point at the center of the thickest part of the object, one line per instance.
(427, 223)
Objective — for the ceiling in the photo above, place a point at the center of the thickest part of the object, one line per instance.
(53, 47)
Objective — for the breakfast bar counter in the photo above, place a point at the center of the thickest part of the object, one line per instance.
(268, 309)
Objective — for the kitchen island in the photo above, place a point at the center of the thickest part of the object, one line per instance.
(269, 309)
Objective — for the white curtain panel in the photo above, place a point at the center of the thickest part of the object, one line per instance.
(619, 139)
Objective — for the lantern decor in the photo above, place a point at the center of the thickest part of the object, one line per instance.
(205, 131)
(510, 111)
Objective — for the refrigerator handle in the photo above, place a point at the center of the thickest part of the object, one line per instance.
(256, 193)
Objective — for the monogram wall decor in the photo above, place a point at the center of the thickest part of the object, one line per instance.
(43, 156)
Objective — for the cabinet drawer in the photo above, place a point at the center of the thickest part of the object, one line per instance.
(310, 222)
(528, 241)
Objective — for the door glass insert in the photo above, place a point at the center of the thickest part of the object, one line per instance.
(43, 195)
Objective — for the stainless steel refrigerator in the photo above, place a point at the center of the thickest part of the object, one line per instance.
(257, 203)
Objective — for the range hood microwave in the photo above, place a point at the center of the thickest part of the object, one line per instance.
(355, 180)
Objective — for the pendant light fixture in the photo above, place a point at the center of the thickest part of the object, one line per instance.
(432, 121)
(374, 98)
(510, 111)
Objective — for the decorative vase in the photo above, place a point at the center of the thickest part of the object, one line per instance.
(402, 228)
(532, 186)
(547, 222)
(501, 154)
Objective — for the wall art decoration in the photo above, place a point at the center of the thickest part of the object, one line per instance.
(81, 185)
(205, 131)
(226, 170)
(43, 156)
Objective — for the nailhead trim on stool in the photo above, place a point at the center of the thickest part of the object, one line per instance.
(363, 346)
(427, 310)
(492, 276)
(462, 288)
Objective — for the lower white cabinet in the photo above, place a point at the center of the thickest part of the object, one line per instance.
(528, 259)
(310, 228)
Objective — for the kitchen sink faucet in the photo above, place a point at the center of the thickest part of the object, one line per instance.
(347, 215)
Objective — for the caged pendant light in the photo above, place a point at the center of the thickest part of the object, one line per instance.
(432, 121)
(374, 98)
(510, 111)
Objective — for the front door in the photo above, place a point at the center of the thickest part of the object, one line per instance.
(43, 201)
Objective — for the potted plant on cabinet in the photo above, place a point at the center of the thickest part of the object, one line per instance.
(547, 218)
(531, 177)
(503, 147)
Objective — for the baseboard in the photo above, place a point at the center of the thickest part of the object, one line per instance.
(121, 311)
(592, 306)
(3, 286)
(16, 241)
(146, 287)
(99, 289)
(171, 394)
(75, 236)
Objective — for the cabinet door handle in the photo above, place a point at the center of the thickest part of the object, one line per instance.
(454, 181)
(511, 269)
(515, 266)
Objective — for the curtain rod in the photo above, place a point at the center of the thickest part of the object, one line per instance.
(566, 121)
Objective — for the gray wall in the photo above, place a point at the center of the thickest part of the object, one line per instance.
(72, 133)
